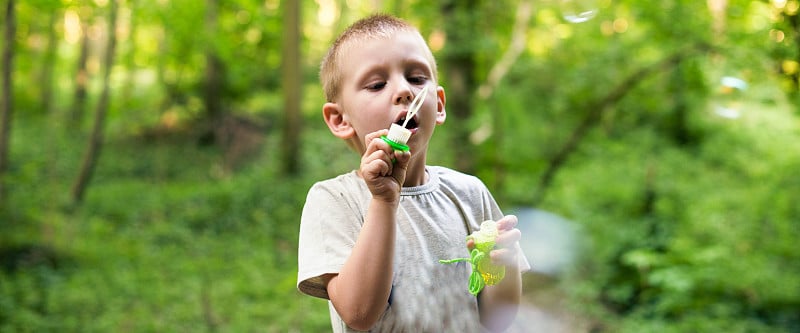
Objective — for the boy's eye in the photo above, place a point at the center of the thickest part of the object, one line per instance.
(417, 79)
(376, 85)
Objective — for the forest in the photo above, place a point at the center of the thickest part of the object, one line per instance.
(155, 156)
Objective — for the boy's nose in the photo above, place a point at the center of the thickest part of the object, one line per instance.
(405, 96)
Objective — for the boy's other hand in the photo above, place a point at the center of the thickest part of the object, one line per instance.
(382, 168)
(505, 250)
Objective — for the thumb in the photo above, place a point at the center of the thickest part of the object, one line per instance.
(402, 159)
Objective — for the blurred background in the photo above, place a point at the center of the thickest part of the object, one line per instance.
(155, 156)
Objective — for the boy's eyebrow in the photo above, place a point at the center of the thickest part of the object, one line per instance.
(379, 68)
(366, 74)
(421, 63)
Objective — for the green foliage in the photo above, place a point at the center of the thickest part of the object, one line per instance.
(166, 251)
(714, 243)
(679, 208)
(687, 219)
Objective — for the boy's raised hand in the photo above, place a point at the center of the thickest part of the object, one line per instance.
(382, 168)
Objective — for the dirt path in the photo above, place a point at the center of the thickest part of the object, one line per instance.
(543, 309)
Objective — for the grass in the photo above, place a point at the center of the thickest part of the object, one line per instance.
(165, 241)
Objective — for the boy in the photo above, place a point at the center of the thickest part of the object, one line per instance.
(371, 239)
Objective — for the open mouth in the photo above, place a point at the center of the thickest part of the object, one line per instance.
(412, 123)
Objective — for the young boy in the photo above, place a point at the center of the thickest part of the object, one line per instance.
(371, 239)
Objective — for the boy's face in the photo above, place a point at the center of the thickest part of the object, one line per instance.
(380, 78)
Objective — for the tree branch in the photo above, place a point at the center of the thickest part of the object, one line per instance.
(598, 108)
(518, 39)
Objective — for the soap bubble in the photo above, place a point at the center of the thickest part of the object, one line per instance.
(578, 11)
(548, 240)
(728, 98)
(733, 83)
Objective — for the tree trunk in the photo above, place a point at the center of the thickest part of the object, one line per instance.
(459, 63)
(292, 87)
(212, 98)
(7, 104)
(493, 80)
(794, 22)
(95, 143)
(46, 75)
(519, 36)
(81, 79)
(130, 54)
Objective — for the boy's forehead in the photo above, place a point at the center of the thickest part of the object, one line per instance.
(410, 38)
(363, 55)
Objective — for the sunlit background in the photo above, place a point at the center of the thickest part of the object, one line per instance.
(155, 156)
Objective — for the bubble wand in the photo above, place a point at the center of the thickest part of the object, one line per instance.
(484, 272)
(399, 134)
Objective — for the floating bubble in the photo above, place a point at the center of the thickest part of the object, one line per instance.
(728, 97)
(733, 83)
(548, 240)
(726, 112)
(578, 11)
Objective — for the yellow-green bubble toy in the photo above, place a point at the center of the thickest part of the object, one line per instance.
(484, 272)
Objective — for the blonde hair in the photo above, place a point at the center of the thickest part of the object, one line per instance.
(371, 27)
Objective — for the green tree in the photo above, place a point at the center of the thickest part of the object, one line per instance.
(292, 87)
(7, 106)
(96, 140)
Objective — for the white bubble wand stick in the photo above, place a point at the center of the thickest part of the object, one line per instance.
(399, 134)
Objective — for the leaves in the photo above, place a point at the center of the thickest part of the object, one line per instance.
(689, 218)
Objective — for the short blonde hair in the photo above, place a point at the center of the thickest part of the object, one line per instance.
(374, 26)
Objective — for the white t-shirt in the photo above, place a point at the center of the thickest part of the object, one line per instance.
(433, 221)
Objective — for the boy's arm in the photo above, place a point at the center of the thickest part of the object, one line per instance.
(498, 304)
(360, 291)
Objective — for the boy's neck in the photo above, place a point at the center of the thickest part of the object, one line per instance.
(416, 177)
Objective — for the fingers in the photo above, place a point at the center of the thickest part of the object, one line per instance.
(374, 144)
(506, 249)
(508, 222)
(504, 256)
(377, 158)
(400, 165)
(383, 168)
(375, 135)
(376, 164)
(508, 238)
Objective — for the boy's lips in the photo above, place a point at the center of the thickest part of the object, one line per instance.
(401, 118)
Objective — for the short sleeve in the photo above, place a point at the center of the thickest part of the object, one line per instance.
(490, 206)
(329, 227)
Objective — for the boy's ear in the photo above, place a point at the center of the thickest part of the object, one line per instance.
(336, 121)
(441, 114)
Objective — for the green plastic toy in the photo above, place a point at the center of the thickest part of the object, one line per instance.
(483, 271)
